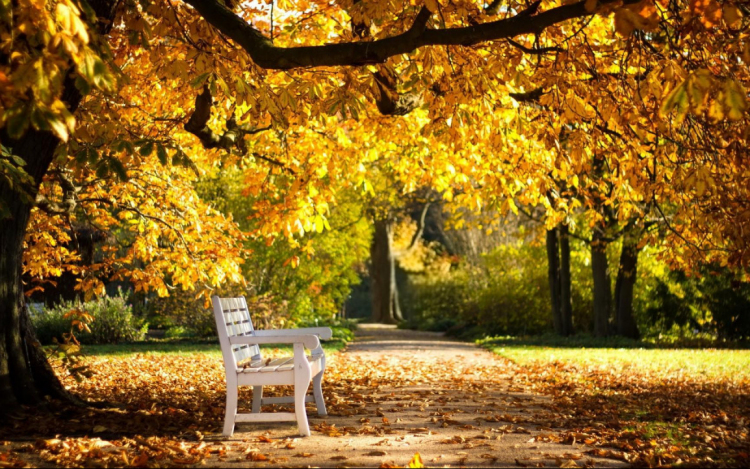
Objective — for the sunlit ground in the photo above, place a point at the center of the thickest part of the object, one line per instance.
(714, 364)
(663, 406)
(647, 407)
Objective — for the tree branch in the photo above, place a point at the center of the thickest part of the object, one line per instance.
(69, 197)
(528, 96)
(233, 137)
(530, 51)
(266, 55)
(275, 163)
(420, 228)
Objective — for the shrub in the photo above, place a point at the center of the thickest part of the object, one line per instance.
(179, 332)
(113, 321)
(505, 292)
(341, 328)
(187, 316)
(710, 305)
(181, 311)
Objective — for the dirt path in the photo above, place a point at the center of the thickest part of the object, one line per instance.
(393, 393)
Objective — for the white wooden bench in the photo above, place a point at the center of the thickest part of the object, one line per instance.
(245, 365)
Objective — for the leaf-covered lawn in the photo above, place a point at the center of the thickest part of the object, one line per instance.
(656, 406)
(645, 407)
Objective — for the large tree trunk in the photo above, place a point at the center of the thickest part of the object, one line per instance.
(553, 273)
(602, 285)
(385, 305)
(566, 305)
(25, 375)
(558, 259)
(625, 286)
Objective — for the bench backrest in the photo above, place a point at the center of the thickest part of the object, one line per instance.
(233, 319)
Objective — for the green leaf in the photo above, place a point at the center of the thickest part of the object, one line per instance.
(83, 85)
(18, 160)
(93, 155)
(102, 169)
(199, 80)
(735, 100)
(677, 100)
(119, 169)
(147, 149)
(161, 153)
(128, 146)
(177, 158)
(19, 117)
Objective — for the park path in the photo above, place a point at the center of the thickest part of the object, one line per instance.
(392, 393)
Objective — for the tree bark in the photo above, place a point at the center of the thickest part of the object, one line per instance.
(625, 286)
(602, 285)
(385, 304)
(566, 306)
(558, 259)
(553, 273)
(25, 375)
(267, 55)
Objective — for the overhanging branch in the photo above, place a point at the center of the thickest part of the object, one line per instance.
(266, 55)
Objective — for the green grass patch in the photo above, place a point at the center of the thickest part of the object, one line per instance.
(708, 363)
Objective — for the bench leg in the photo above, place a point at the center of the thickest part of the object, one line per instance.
(300, 391)
(302, 375)
(318, 390)
(231, 411)
(257, 398)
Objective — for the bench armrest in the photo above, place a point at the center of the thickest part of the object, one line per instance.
(324, 333)
(309, 340)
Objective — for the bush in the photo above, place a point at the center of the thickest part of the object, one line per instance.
(341, 328)
(179, 332)
(113, 322)
(505, 292)
(183, 315)
(709, 306)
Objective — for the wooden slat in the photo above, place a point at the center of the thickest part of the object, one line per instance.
(266, 417)
(277, 364)
(284, 400)
(238, 323)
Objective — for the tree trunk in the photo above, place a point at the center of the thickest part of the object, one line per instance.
(625, 286)
(553, 264)
(25, 375)
(558, 260)
(602, 285)
(385, 305)
(566, 306)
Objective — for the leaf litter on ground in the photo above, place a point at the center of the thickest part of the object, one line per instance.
(168, 403)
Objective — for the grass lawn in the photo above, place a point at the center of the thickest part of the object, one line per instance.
(656, 406)
(720, 364)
